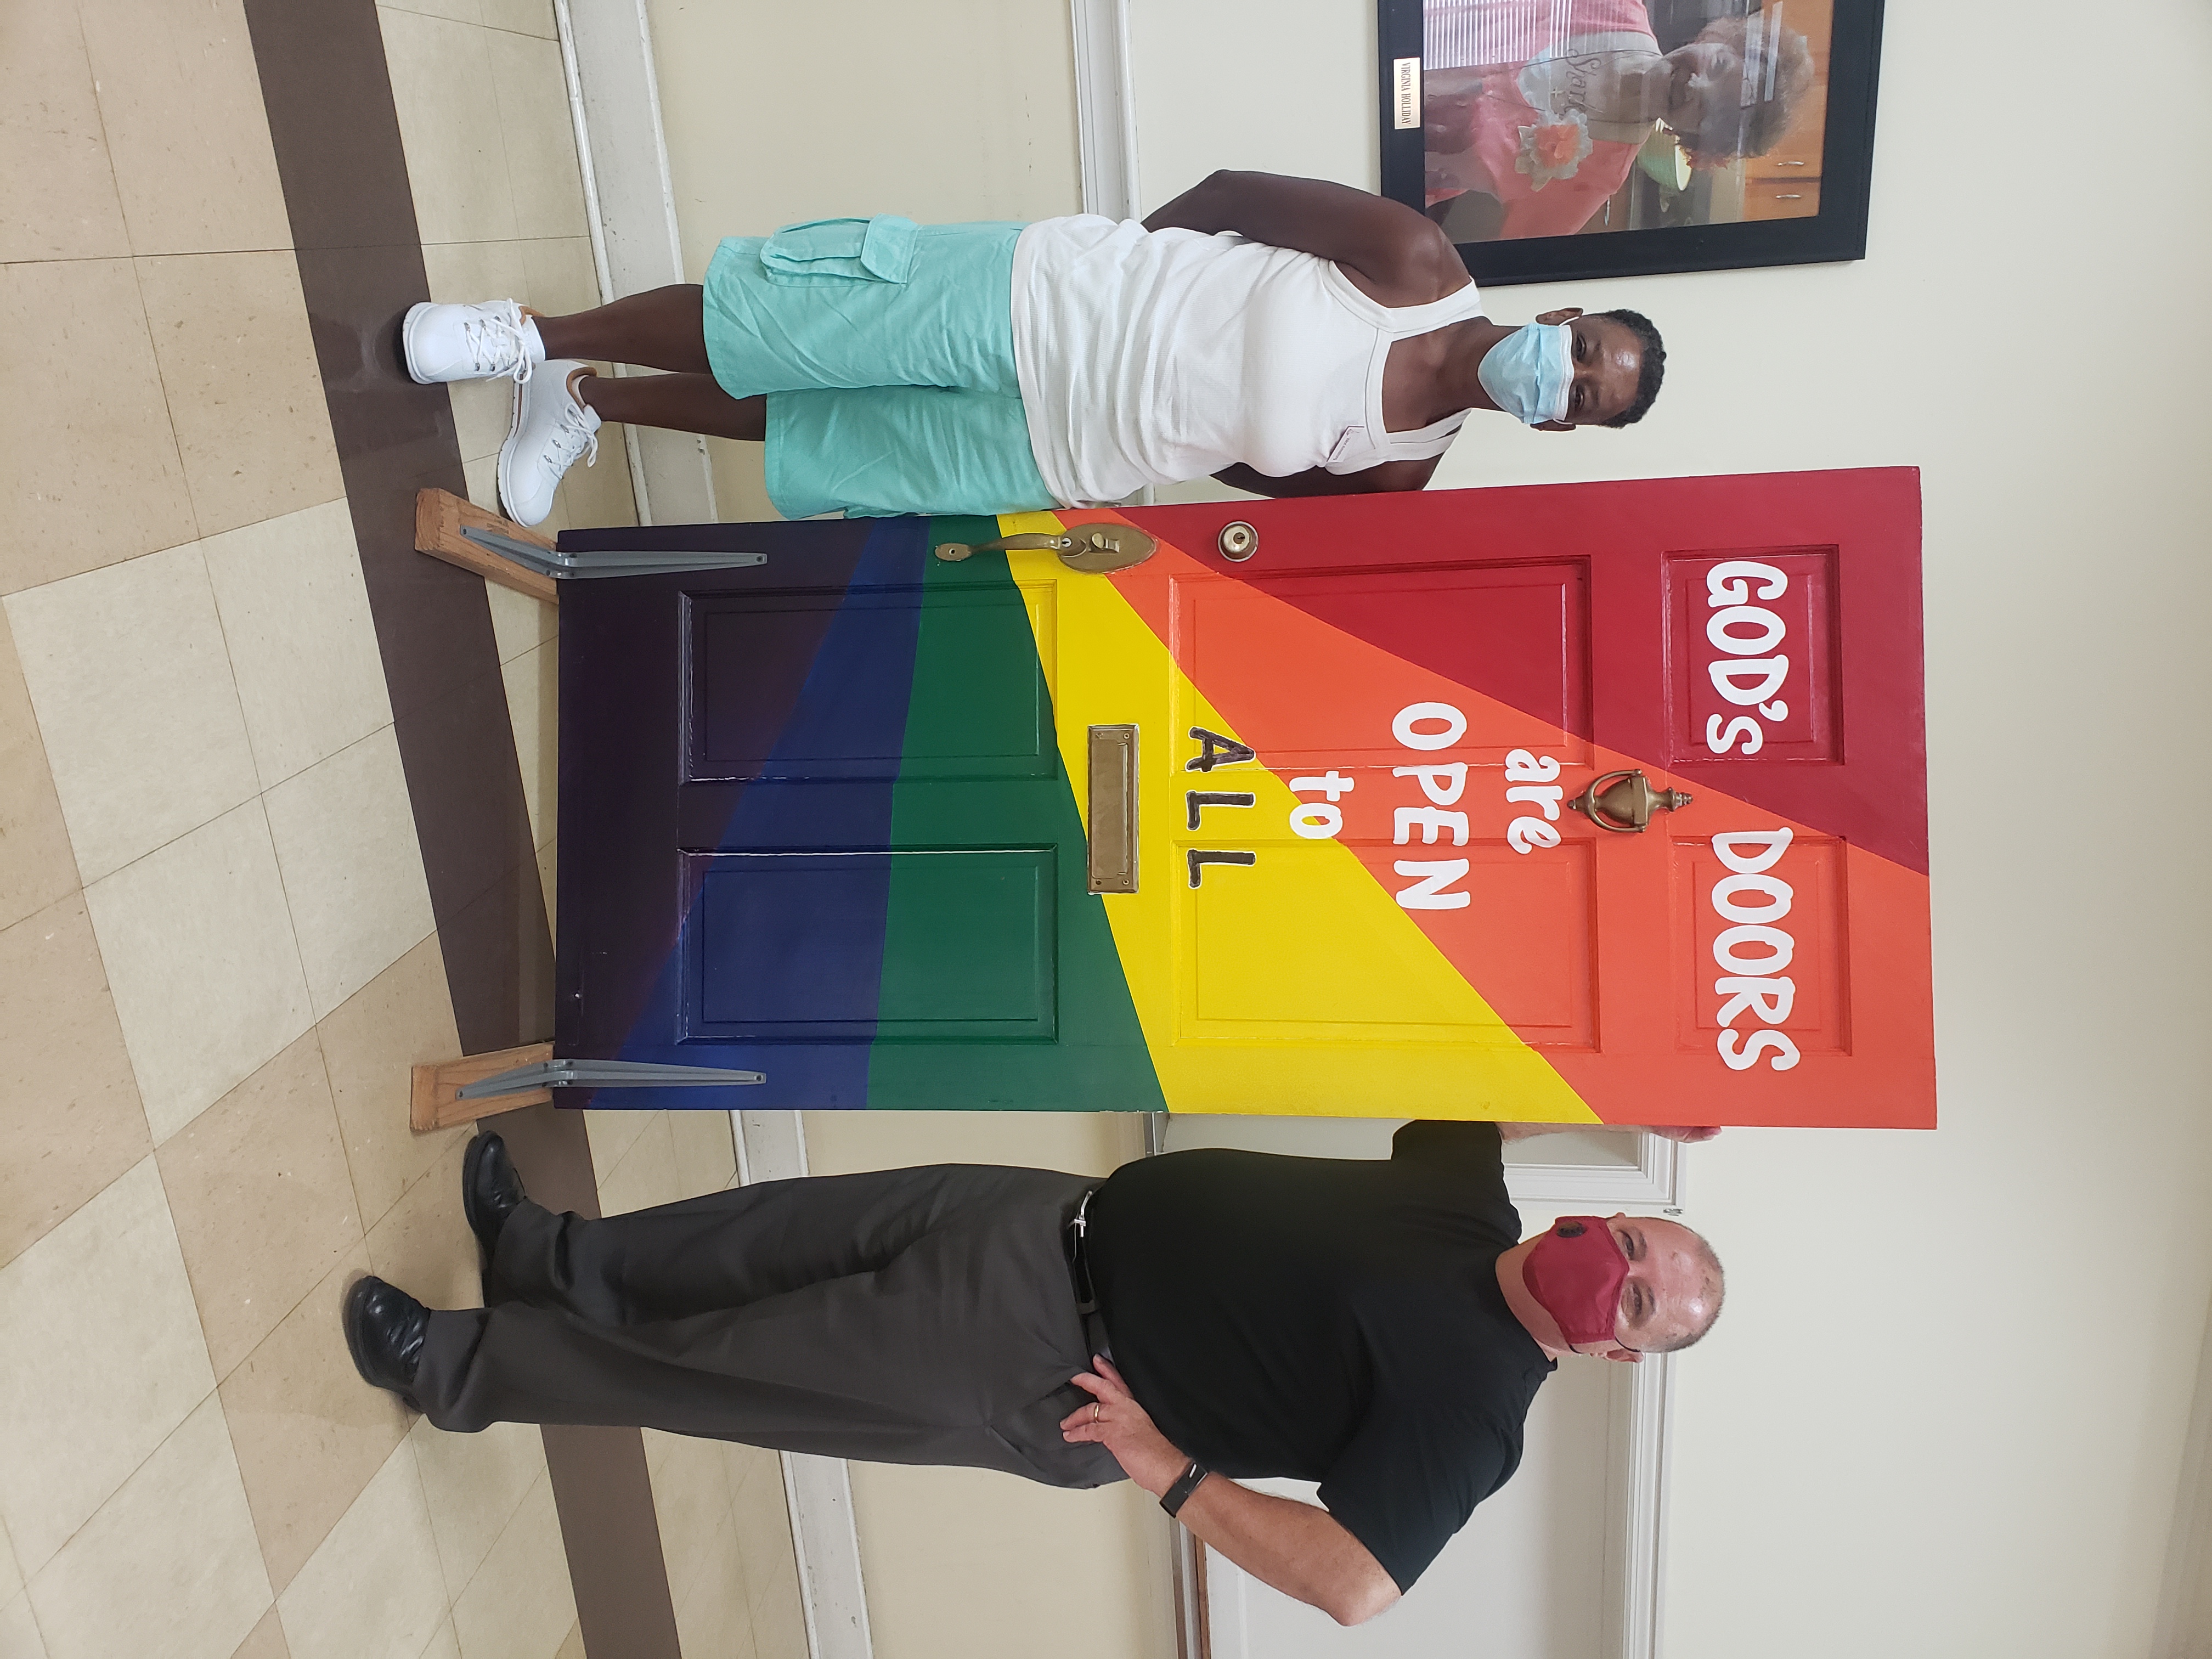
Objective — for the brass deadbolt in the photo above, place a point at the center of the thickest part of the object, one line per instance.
(1238, 541)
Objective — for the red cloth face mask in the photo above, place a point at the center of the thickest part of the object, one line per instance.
(1574, 1272)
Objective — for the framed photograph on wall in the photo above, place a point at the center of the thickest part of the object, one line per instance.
(1562, 139)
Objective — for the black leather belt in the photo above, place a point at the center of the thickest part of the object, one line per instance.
(1078, 1263)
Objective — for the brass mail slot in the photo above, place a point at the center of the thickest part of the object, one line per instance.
(1113, 809)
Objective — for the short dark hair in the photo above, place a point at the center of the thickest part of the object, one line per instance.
(1654, 350)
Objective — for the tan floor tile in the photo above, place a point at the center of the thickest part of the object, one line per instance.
(461, 11)
(302, 643)
(461, 273)
(520, 622)
(600, 494)
(19, 1630)
(445, 1644)
(310, 1433)
(475, 1483)
(353, 872)
(573, 1646)
(181, 100)
(549, 874)
(101, 1357)
(540, 131)
(262, 1206)
(480, 474)
(169, 1565)
(559, 275)
(533, 702)
(706, 1153)
(763, 1515)
(484, 413)
(449, 125)
(36, 864)
(714, 1619)
(11, 1575)
(520, 1605)
(69, 1103)
(373, 1589)
(647, 1174)
(58, 196)
(424, 1246)
(691, 1501)
(266, 1641)
(779, 1617)
(748, 1463)
(246, 396)
(102, 477)
(524, 16)
(402, 1018)
(130, 676)
(201, 957)
(611, 1136)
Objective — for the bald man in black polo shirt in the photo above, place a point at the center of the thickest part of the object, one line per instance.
(1377, 1325)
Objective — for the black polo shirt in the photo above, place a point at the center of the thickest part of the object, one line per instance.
(1334, 1320)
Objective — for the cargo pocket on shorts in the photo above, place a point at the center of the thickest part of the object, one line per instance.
(824, 250)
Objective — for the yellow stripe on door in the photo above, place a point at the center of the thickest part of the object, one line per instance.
(1293, 985)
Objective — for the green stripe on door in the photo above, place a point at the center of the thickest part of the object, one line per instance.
(1001, 988)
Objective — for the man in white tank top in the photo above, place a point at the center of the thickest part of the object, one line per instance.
(1288, 336)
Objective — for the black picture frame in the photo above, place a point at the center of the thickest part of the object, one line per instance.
(1837, 232)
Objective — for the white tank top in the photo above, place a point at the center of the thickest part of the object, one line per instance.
(1149, 357)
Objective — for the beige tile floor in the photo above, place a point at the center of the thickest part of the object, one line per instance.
(217, 947)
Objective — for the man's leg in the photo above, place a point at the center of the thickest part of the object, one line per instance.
(956, 1349)
(682, 402)
(661, 328)
(723, 1251)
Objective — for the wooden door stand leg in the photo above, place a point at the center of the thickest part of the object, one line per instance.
(439, 518)
(433, 1101)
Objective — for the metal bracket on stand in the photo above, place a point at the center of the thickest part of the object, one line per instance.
(602, 1074)
(565, 566)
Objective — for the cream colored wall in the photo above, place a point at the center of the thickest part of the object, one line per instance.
(968, 1564)
(777, 113)
(1946, 1411)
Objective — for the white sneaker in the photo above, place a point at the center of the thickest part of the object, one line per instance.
(552, 427)
(478, 342)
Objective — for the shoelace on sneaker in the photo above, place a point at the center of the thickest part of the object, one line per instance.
(573, 437)
(495, 346)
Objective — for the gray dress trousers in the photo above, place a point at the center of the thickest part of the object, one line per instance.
(920, 1316)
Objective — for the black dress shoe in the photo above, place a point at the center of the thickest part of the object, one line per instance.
(384, 1331)
(489, 1190)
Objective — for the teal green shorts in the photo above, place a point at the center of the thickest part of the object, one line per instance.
(886, 351)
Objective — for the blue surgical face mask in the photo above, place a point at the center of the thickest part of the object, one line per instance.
(1527, 373)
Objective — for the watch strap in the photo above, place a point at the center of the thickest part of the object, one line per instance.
(1177, 1496)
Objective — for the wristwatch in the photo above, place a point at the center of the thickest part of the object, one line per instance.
(1177, 1496)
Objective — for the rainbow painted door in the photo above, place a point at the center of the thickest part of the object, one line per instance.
(826, 817)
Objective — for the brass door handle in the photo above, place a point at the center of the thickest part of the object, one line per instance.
(1113, 866)
(1094, 549)
(1623, 802)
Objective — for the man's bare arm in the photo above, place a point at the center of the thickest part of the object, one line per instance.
(1300, 1550)
(1404, 258)
(1319, 480)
